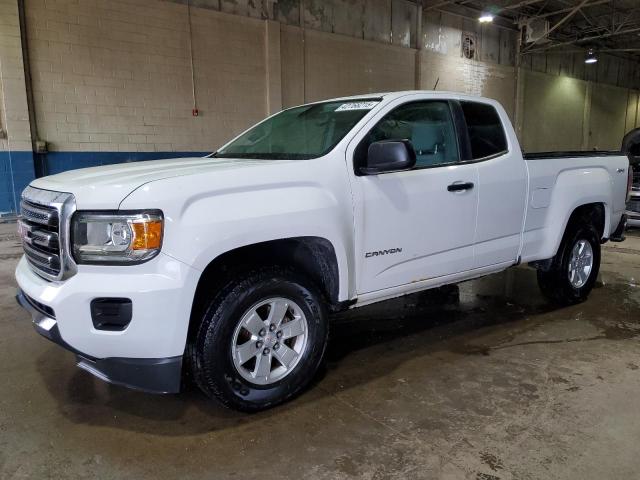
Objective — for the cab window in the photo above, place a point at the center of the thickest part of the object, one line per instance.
(428, 125)
(486, 134)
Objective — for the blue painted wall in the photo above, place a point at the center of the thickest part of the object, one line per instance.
(18, 169)
(16, 172)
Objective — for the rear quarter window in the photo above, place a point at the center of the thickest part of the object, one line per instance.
(486, 133)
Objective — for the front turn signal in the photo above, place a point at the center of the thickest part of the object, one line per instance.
(147, 235)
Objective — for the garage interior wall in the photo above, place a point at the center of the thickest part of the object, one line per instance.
(16, 157)
(564, 113)
(112, 80)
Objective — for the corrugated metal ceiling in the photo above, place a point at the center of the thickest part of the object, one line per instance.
(604, 25)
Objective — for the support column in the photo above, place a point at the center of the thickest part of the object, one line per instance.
(519, 105)
(273, 67)
(518, 119)
(586, 118)
(418, 57)
(16, 152)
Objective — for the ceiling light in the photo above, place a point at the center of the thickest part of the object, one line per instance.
(485, 18)
(590, 57)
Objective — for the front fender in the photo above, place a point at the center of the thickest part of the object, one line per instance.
(207, 221)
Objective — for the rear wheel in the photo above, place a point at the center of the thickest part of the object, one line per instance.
(575, 267)
(261, 340)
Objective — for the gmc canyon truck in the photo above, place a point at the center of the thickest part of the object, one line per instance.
(225, 268)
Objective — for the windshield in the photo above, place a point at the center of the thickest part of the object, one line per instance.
(299, 133)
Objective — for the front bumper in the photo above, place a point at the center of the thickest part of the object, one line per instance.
(147, 355)
(154, 375)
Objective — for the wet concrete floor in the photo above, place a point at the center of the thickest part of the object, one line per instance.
(481, 381)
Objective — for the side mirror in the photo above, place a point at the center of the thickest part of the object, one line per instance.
(389, 156)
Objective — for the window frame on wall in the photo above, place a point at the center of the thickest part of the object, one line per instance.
(457, 124)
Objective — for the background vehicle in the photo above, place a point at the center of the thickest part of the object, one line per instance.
(631, 145)
(227, 267)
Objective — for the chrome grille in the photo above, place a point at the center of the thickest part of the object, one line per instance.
(38, 227)
(633, 205)
(44, 226)
(636, 178)
(41, 215)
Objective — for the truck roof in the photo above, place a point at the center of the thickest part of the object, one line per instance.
(402, 93)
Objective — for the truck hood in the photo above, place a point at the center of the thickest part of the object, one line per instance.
(105, 187)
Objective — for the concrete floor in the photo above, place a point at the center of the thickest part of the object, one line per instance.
(484, 382)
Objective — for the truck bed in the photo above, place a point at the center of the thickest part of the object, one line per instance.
(557, 187)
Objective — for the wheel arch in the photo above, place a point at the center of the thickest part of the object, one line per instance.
(314, 257)
(595, 213)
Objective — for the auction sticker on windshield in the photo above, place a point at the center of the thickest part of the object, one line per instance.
(356, 106)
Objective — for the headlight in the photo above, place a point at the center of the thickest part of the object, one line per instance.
(116, 238)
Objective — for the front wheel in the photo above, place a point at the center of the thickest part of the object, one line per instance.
(261, 340)
(575, 267)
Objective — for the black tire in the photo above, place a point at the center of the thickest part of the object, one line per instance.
(210, 351)
(554, 283)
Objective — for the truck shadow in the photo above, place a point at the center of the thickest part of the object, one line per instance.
(382, 336)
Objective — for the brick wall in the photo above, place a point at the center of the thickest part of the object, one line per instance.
(564, 113)
(477, 78)
(612, 113)
(14, 118)
(116, 76)
(553, 116)
(292, 67)
(16, 159)
(319, 65)
(338, 65)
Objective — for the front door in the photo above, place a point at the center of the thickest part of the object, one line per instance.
(418, 224)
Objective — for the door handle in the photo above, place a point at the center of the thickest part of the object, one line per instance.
(458, 187)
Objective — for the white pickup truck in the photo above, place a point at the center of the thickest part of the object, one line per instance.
(225, 268)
